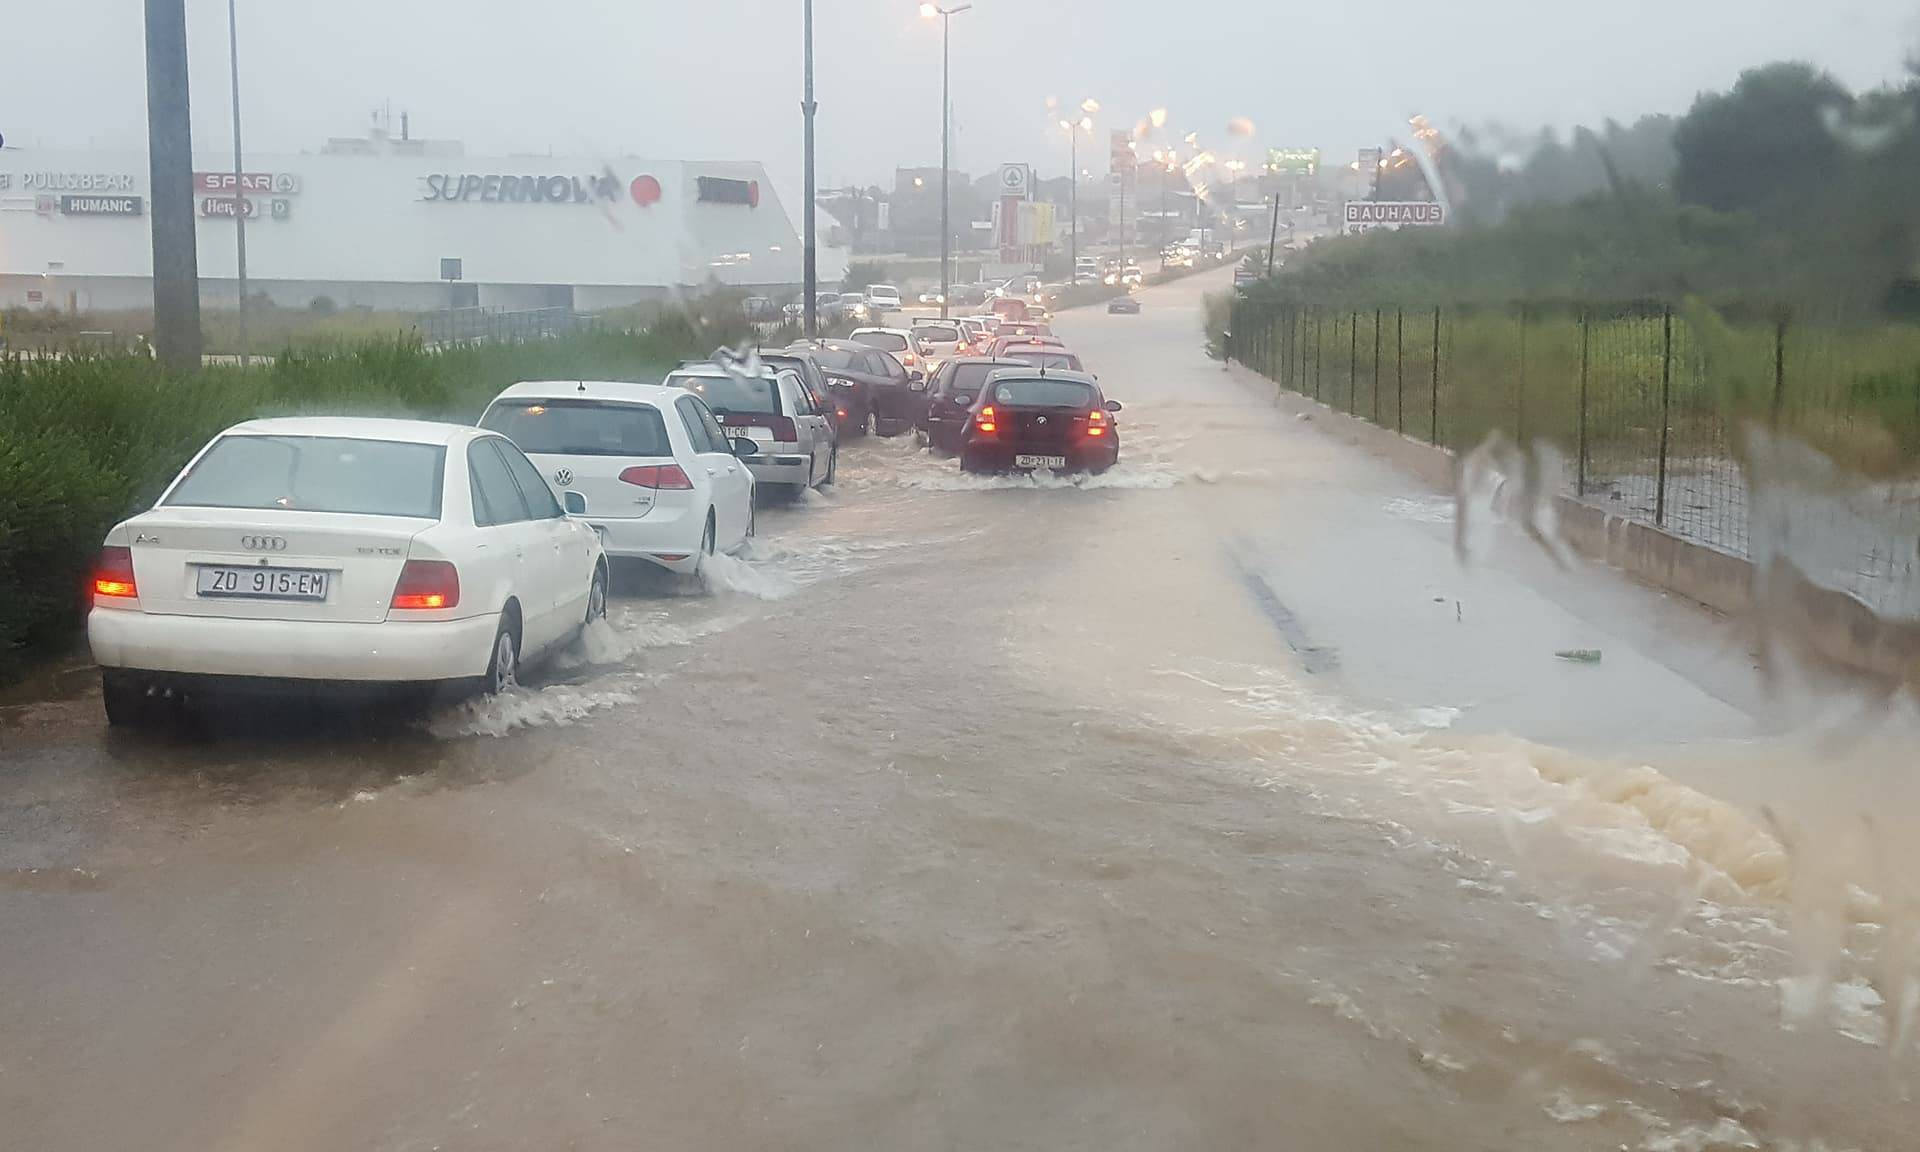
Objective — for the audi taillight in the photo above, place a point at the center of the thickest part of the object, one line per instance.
(113, 573)
(427, 584)
(1096, 423)
(663, 476)
(986, 421)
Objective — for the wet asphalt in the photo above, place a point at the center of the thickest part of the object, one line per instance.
(1210, 803)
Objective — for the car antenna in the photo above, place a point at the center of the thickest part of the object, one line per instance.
(583, 385)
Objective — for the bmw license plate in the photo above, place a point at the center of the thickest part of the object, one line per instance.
(1024, 461)
(262, 583)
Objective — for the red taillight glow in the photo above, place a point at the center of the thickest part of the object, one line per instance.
(113, 573)
(427, 584)
(665, 476)
(985, 421)
(1096, 423)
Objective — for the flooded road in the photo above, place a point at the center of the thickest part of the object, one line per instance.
(1205, 804)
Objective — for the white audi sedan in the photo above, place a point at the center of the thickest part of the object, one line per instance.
(330, 554)
(648, 466)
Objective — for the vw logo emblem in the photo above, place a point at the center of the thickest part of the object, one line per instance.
(264, 543)
(563, 477)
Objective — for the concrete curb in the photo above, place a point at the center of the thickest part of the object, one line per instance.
(1831, 625)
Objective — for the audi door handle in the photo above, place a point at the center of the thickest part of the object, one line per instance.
(713, 471)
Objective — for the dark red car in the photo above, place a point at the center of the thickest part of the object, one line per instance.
(952, 394)
(1029, 419)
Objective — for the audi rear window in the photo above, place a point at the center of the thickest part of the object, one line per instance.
(316, 474)
(732, 394)
(580, 427)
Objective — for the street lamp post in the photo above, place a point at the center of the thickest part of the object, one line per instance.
(809, 269)
(1073, 129)
(946, 15)
(239, 178)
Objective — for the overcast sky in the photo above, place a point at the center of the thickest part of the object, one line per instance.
(720, 79)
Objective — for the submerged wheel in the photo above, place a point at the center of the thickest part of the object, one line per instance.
(597, 595)
(503, 670)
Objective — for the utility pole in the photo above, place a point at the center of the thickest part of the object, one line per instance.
(1073, 202)
(239, 177)
(946, 139)
(176, 271)
(1273, 233)
(809, 273)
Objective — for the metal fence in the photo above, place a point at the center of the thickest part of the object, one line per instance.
(497, 326)
(1645, 401)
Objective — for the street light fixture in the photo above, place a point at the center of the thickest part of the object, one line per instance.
(1073, 128)
(946, 15)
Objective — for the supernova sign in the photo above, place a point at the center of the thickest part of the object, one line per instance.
(496, 188)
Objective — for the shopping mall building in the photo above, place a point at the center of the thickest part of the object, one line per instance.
(381, 224)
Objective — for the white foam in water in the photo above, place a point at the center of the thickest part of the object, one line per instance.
(626, 634)
(730, 574)
(556, 705)
(1119, 476)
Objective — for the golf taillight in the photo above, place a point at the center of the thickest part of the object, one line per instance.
(427, 584)
(113, 573)
(986, 421)
(667, 476)
(1096, 423)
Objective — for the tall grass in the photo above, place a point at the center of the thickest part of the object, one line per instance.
(86, 440)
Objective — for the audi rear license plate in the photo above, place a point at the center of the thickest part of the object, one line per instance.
(262, 583)
(1024, 461)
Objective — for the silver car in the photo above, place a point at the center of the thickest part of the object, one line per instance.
(773, 409)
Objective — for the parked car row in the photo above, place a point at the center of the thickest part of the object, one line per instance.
(348, 556)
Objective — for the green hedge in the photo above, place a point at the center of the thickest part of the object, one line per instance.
(86, 441)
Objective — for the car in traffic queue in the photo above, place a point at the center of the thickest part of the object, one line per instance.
(899, 403)
(1028, 419)
(855, 375)
(1024, 328)
(1003, 342)
(882, 299)
(974, 332)
(1051, 357)
(795, 444)
(1128, 305)
(1010, 308)
(939, 340)
(952, 394)
(812, 377)
(340, 555)
(648, 466)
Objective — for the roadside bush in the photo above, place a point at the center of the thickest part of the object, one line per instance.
(87, 440)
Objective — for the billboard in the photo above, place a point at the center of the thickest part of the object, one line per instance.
(1387, 215)
(1293, 161)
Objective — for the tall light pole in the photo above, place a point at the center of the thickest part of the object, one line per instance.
(176, 275)
(239, 176)
(946, 15)
(809, 270)
(1073, 130)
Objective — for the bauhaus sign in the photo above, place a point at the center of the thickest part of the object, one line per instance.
(493, 188)
(1369, 215)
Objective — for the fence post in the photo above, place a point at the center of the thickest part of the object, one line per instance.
(1666, 420)
(1580, 484)
(1433, 429)
(1779, 367)
(1353, 358)
(1520, 387)
(1286, 351)
(1400, 368)
(1376, 365)
(1316, 356)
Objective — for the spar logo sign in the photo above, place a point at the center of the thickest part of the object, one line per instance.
(1379, 215)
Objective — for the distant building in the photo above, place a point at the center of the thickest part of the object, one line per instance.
(369, 223)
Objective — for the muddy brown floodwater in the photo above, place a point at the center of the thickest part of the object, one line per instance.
(1208, 804)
